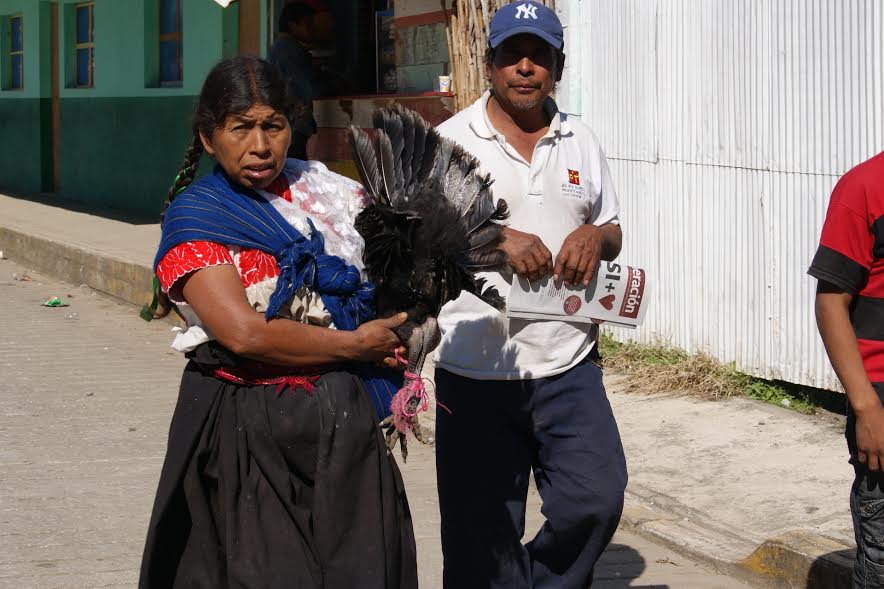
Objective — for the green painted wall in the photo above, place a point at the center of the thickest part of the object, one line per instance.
(36, 24)
(25, 133)
(123, 152)
(122, 141)
(125, 48)
(25, 115)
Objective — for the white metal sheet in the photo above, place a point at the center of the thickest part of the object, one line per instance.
(727, 125)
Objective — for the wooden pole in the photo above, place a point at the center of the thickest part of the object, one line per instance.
(473, 41)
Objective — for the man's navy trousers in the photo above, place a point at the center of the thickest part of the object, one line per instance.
(560, 427)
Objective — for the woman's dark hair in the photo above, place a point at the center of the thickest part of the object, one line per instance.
(232, 87)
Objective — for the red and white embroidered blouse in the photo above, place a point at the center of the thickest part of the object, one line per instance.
(304, 189)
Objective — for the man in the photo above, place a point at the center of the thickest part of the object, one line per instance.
(523, 395)
(294, 60)
(849, 265)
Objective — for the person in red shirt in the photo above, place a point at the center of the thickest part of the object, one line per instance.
(849, 267)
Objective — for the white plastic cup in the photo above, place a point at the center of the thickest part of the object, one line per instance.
(444, 83)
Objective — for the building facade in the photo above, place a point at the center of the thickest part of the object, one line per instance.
(97, 108)
(96, 96)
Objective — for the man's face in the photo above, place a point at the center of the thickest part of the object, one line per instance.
(302, 29)
(524, 72)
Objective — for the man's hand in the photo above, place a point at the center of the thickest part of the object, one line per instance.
(526, 254)
(870, 437)
(580, 255)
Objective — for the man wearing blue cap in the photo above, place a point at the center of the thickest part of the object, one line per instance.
(527, 395)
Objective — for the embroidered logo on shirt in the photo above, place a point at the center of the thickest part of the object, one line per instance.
(526, 11)
(572, 188)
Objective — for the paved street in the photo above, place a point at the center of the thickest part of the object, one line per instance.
(86, 393)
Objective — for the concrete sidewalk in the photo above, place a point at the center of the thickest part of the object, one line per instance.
(113, 257)
(759, 492)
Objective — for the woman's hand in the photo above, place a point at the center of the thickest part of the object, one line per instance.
(377, 342)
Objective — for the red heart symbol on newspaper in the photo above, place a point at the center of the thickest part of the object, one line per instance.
(607, 302)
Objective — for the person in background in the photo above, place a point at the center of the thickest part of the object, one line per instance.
(849, 267)
(527, 395)
(291, 56)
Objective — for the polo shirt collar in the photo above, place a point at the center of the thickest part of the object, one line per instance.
(482, 127)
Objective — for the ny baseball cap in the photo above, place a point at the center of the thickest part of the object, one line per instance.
(525, 16)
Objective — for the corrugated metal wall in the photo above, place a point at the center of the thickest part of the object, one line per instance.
(727, 123)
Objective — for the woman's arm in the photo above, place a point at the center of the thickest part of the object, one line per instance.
(219, 300)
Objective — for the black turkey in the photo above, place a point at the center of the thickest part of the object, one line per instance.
(431, 224)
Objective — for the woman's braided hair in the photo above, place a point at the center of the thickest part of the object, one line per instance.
(232, 87)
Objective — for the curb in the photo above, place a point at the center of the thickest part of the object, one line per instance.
(118, 278)
(795, 559)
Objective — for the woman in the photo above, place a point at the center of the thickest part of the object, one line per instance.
(276, 473)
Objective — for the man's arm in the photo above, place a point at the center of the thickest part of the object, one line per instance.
(833, 321)
(583, 249)
(612, 241)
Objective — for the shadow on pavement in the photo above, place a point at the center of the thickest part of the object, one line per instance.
(54, 200)
(831, 571)
(619, 567)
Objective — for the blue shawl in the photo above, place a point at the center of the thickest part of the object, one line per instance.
(215, 209)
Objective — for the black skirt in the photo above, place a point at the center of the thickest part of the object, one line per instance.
(262, 489)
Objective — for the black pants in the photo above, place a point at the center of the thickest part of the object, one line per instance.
(867, 508)
(278, 490)
(562, 427)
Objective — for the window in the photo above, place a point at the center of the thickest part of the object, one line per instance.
(85, 46)
(170, 43)
(16, 54)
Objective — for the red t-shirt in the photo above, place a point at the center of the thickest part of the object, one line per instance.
(851, 256)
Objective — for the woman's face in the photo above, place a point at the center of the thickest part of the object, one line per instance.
(251, 147)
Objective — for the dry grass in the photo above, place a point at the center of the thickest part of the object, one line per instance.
(664, 369)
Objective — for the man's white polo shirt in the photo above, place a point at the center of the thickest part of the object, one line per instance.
(566, 184)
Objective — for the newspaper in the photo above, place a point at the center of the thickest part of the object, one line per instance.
(615, 297)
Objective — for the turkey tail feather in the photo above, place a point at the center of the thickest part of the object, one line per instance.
(421, 142)
(365, 159)
(493, 259)
(390, 124)
(387, 167)
(429, 158)
(490, 295)
(408, 146)
(484, 236)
